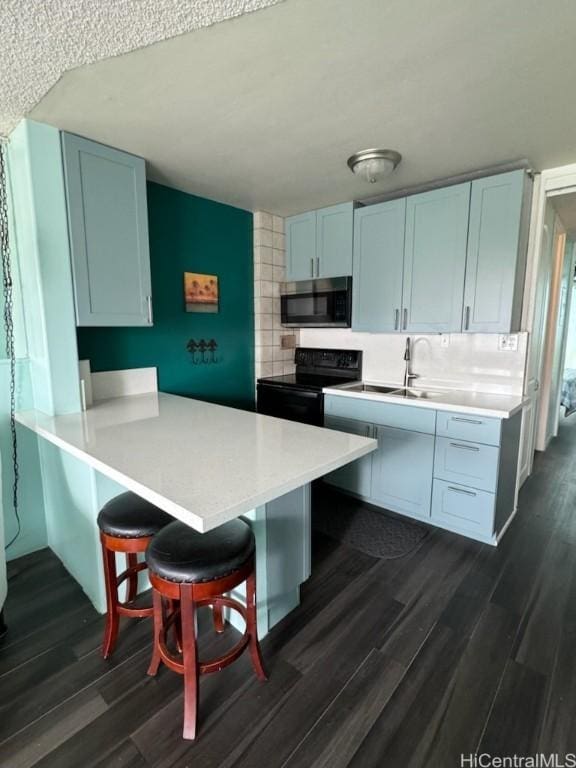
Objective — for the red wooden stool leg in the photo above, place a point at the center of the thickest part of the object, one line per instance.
(158, 629)
(254, 645)
(111, 630)
(132, 581)
(189, 659)
(218, 616)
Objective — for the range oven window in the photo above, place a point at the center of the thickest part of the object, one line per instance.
(291, 404)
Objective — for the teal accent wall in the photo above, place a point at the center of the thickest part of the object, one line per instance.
(190, 234)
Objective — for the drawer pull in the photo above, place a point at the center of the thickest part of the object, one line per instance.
(465, 447)
(466, 421)
(461, 490)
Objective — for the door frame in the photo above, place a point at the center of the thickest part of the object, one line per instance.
(549, 183)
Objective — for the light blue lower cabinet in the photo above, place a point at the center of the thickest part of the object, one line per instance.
(355, 477)
(463, 509)
(453, 470)
(402, 469)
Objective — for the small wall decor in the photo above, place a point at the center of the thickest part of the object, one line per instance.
(202, 351)
(200, 292)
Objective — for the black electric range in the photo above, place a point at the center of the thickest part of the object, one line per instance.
(298, 396)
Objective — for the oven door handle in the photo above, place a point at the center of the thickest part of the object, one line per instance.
(291, 389)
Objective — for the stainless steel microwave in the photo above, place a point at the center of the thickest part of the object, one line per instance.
(323, 303)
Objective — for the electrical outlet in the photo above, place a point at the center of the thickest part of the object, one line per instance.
(508, 342)
(445, 340)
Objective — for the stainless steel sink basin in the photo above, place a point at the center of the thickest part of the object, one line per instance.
(415, 394)
(371, 388)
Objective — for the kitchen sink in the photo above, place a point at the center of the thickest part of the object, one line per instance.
(415, 394)
(370, 388)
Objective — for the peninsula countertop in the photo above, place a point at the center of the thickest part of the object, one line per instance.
(438, 399)
(204, 464)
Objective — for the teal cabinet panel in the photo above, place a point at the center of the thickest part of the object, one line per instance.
(402, 471)
(355, 477)
(463, 509)
(334, 232)
(378, 266)
(496, 254)
(435, 259)
(108, 223)
(301, 263)
(461, 426)
(471, 464)
(378, 412)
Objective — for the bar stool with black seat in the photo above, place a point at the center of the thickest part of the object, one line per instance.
(127, 524)
(197, 569)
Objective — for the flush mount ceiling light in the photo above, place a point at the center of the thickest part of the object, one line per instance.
(374, 164)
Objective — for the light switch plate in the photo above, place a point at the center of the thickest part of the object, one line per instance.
(508, 342)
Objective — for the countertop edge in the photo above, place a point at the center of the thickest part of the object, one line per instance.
(434, 405)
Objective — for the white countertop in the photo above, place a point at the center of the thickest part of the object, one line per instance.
(456, 400)
(204, 464)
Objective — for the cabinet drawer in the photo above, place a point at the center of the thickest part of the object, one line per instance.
(460, 508)
(386, 414)
(462, 426)
(466, 463)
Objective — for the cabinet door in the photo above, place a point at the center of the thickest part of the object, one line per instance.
(301, 246)
(402, 471)
(435, 259)
(334, 230)
(378, 264)
(495, 264)
(108, 222)
(355, 477)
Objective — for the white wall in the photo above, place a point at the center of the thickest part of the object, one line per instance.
(470, 361)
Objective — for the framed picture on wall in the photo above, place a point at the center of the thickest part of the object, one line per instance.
(200, 292)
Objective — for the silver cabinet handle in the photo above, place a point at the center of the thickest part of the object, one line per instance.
(461, 490)
(466, 421)
(311, 266)
(317, 266)
(149, 307)
(396, 319)
(466, 318)
(405, 325)
(465, 447)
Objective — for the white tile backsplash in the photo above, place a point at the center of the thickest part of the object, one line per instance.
(470, 361)
(269, 273)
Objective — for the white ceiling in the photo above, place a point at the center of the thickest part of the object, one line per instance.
(262, 111)
(43, 39)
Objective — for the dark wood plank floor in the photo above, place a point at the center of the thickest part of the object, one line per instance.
(410, 662)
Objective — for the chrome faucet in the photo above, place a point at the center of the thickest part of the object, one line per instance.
(408, 376)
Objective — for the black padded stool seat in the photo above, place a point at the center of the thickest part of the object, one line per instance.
(128, 516)
(178, 553)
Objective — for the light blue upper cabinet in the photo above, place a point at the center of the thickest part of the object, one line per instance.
(301, 246)
(496, 258)
(378, 263)
(108, 223)
(334, 231)
(319, 243)
(434, 259)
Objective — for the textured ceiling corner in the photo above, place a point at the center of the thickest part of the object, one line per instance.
(41, 40)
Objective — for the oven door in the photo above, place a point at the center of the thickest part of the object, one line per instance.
(291, 403)
(316, 304)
